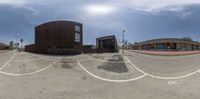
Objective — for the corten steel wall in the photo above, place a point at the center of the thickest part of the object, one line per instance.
(30, 48)
(56, 35)
(111, 47)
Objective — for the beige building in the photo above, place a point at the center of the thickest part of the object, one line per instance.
(3, 46)
(167, 44)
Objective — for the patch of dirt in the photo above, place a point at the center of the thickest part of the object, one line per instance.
(68, 60)
(65, 63)
(116, 65)
(66, 66)
(84, 78)
(98, 57)
(116, 58)
(22, 66)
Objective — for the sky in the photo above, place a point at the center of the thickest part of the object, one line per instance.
(142, 19)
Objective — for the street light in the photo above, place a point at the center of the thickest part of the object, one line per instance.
(123, 32)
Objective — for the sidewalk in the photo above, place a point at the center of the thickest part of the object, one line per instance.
(3, 51)
(167, 53)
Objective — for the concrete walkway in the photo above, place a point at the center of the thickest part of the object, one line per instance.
(167, 53)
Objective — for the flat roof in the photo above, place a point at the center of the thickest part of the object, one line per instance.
(1, 44)
(58, 21)
(106, 37)
(173, 40)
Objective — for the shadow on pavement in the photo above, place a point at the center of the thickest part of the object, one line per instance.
(115, 64)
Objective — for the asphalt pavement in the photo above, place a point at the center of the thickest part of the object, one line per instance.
(98, 76)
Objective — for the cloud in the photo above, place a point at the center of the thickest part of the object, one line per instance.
(12, 2)
(166, 17)
(158, 5)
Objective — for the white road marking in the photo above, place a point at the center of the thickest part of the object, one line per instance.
(8, 61)
(26, 74)
(109, 80)
(13, 74)
(160, 77)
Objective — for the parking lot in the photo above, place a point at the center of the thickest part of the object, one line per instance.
(99, 76)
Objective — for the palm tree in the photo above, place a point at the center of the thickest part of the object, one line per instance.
(21, 40)
(11, 45)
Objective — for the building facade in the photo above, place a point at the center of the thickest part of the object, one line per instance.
(108, 43)
(57, 36)
(3, 46)
(167, 44)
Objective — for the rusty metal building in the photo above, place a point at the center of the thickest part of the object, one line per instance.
(108, 43)
(167, 44)
(57, 37)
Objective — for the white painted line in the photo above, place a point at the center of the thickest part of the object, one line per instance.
(160, 77)
(135, 66)
(109, 80)
(8, 61)
(26, 74)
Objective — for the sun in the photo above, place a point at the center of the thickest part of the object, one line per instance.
(99, 9)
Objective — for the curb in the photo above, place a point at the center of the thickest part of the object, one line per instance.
(166, 54)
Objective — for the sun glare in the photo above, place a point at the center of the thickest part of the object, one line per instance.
(99, 9)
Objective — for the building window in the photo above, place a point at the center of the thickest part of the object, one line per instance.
(160, 46)
(77, 28)
(77, 37)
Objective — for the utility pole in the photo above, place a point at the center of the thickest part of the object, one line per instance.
(21, 40)
(123, 45)
(15, 42)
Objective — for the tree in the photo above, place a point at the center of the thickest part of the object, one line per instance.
(188, 38)
(21, 40)
(11, 45)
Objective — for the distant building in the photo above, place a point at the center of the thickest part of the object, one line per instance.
(3, 46)
(108, 43)
(58, 37)
(30, 48)
(167, 44)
